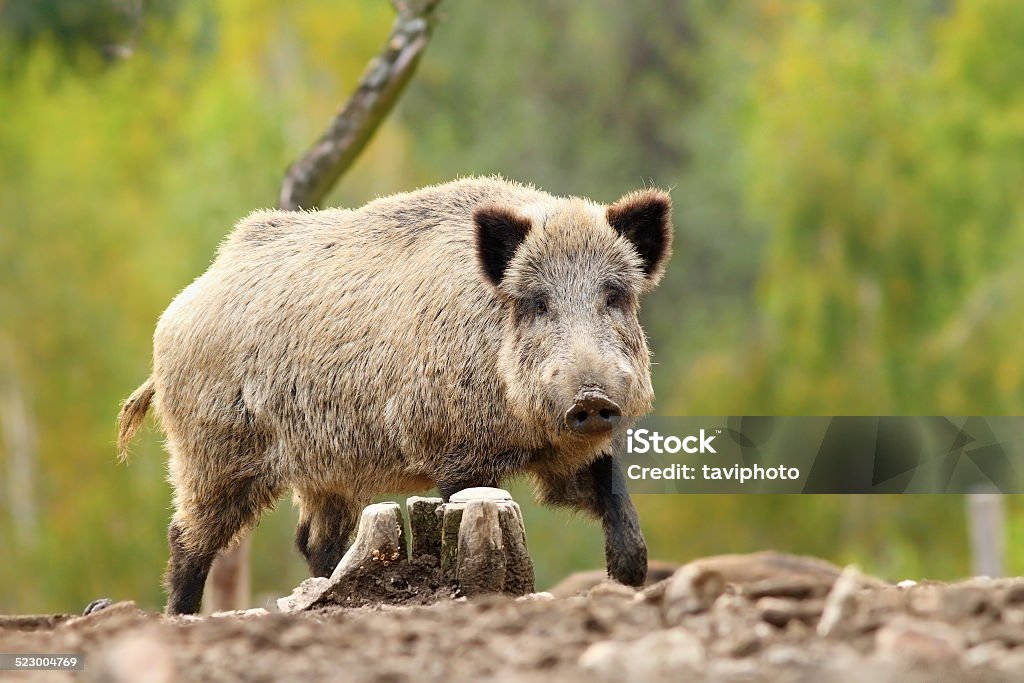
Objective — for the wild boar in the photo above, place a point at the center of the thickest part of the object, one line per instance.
(453, 336)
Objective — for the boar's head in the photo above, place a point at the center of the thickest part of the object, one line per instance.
(570, 274)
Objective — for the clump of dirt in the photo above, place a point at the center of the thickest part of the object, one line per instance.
(417, 582)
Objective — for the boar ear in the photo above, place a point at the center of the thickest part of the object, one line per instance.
(644, 218)
(499, 232)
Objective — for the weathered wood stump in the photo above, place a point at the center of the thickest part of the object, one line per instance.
(425, 525)
(483, 544)
(478, 539)
(380, 538)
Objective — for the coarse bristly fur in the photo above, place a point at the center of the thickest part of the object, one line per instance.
(435, 337)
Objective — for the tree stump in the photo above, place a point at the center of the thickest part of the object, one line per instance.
(483, 544)
(478, 538)
(379, 538)
(424, 526)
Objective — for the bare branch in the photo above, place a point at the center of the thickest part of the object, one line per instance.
(310, 178)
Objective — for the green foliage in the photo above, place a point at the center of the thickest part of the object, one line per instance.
(846, 178)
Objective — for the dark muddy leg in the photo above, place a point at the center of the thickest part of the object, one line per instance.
(186, 575)
(600, 490)
(200, 529)
(326, 523)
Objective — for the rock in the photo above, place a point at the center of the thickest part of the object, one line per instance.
(796, 586)
(661, 655)
(690, 590)
(780, 611)
(1014, 593)
(425, 525)
(542, 596)
(581, 582)
(304, 595)
(906, 583)
(841, 604)
(613, 589)
(96, 606)
(380, 538)
(926, 599)
(919, 641)
(244, 613)
(1013, 615)
(740, 645)
(480, 566)
(985, 655)
(786, 656)
(1010, 635)
(137, 657)
(767, 566)
(959, 602)
(112, 612)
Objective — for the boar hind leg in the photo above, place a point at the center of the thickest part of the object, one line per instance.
(202, 526)
(600, 490)
(326, 522)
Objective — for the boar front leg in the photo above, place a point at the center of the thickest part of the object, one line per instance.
(600, 490)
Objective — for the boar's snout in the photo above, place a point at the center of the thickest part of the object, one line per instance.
(592, 413)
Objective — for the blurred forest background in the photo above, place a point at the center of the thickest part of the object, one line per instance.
(848, 179)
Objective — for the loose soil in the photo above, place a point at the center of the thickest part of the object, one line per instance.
(714, 620)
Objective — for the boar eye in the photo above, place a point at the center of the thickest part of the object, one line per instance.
(614, 298)
(540, 306)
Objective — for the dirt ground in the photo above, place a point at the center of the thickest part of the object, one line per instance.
(766, 617)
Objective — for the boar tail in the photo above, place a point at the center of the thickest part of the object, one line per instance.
(133, 412)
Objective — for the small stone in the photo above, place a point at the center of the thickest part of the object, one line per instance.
(1010, 635)
(613, 589)
(1013, 615)
(841, 604)
(661, 655)
(136, 657)
(926, 600)
(780, 611)
(906, 583)
(919, 641)
(243, 613)
(690, 590)
(789, 587)
(960, 602)
(739, 646)
(542, 596)
(118, 609)
(96, 606)
(1014, 593)
(786, 655)
(304, 595)
(984, 655)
